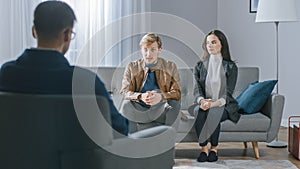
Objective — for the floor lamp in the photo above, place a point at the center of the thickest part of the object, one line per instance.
(276, 11)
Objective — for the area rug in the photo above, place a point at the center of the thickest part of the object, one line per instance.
(234, 164)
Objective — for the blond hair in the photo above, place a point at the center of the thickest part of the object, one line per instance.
(151, 38)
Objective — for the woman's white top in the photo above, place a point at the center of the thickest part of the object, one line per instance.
(213, 78)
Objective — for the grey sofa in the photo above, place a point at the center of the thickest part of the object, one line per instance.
(259, 127)
(46, 131)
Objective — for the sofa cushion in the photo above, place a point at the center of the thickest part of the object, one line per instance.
(254, 96)
(186, 124)
(245, 124)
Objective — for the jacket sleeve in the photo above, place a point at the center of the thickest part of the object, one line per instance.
(231, 79)
(231, 103)
(175, 87)
(128, 87)
(119, 123)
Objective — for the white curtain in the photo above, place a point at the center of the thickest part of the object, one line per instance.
(92, 45)
(99, 25)
(15, 31)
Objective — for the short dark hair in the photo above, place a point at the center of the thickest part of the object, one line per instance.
(52, 17)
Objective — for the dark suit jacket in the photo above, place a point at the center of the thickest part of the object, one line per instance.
(227, 87)
(48, 72)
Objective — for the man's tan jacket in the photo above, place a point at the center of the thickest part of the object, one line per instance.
(166, 74)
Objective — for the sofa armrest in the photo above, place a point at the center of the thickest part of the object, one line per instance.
(273, 108)
(126, 152)
(145, 143)
(151, 132)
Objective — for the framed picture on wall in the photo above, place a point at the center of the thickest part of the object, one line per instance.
(253, 6)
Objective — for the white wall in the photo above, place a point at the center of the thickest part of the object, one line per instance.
(253, 44)
(201, 13)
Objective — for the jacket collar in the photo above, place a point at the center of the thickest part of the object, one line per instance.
(47, 58)
(159, 66)
(225, 64)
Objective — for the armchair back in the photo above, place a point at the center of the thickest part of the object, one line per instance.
(44, 131)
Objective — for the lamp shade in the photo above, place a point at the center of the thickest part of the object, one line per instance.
(276, 11)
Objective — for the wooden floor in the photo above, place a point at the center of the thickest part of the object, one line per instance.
(236, 151)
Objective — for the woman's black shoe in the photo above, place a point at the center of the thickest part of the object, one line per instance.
(212, 156)
(202, 157)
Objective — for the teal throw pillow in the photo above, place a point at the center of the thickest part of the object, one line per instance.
(254, 96)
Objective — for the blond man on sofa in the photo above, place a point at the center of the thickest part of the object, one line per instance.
(151, 88)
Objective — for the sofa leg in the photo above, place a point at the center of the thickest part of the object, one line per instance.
(255, 149)
(245, 145)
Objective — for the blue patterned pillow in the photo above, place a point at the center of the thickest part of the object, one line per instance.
(254, 96)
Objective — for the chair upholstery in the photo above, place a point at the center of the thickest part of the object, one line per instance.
(44, 131)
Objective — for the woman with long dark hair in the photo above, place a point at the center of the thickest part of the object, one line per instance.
(215, 75)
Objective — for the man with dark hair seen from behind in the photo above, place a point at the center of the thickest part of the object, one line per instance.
(45, 70)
